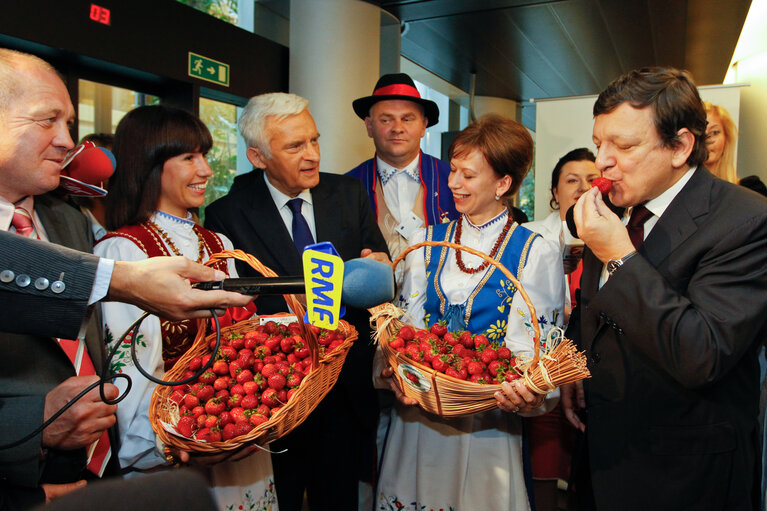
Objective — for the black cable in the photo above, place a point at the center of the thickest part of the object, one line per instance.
(107, 377)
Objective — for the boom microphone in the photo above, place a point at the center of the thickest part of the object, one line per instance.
(367, 283)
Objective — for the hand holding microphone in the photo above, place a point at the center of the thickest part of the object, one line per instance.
(366, 283)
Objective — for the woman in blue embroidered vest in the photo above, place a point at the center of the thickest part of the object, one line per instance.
(474, 462)
(163, 174)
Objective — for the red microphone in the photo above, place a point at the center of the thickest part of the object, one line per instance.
(85, 169)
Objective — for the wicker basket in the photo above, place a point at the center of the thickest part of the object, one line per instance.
(437, 392)
(311, 391)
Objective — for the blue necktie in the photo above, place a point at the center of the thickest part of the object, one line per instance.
(302, 235)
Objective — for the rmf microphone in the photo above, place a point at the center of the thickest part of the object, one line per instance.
(367, 283)
(85, 169)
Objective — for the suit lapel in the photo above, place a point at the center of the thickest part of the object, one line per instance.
(325, 213)
(680, 220)
(267, 225)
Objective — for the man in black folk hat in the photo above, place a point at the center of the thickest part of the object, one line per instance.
(407, 188)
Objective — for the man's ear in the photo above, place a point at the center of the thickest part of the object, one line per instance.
(369, 125)
(256, 157)
(683, 146)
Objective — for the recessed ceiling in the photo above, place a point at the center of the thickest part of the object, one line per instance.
(540, 49)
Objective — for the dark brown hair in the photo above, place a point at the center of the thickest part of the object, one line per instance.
(674, 99)
(505, 144)
(145, 139)
(580, 154)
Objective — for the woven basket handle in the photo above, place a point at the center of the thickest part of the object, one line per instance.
(293, 304)
(522, 292)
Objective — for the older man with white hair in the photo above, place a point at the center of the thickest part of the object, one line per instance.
(272, 213)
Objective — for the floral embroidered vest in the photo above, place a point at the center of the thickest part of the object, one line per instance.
(486, 310)
(177, 336)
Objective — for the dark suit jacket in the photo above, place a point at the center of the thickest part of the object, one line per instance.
(671, 340)
(342, 216)
(31, 365)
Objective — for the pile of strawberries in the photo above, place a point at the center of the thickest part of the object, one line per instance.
(458, 354)
(254, 375)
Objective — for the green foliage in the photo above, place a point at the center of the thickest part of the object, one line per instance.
(221, 120)
(225, 10)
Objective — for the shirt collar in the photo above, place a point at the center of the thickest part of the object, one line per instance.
(658, 205)
(189, 220)
(280, 199)
(7, 209)
(386, 171)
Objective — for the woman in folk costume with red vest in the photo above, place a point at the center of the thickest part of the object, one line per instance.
(474, 461)
(160, 152)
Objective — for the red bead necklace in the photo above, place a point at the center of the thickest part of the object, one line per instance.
(493, 252)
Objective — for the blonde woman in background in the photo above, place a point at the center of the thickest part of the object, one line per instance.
(721, 138)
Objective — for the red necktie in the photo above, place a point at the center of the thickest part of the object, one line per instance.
(99, 451)
(635, 227)
(22, 222)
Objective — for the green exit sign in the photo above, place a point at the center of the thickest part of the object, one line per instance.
(208, 69)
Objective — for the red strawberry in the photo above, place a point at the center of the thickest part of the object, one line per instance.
(396, 343)
(439, 364)
(262, 352)
(288, 344)
(406, 333)
(494, 366)
(177, 396)
(208, 377)
(480, 342)
(238, 414)
(204, 392)
(234, 401)
(455, 374)
(273, 343)
(450, 339)
(211, 421)
(291, 392)
(466, 340)
(186, 426)
(243, 427)
(244, 376)
(227, 353)
(251, 387)
(237, 388)
(269, 398)
(249, 401)
(294, 379)
(488, 355)
(238, 341)
(277, 381)
(257, 419)
(264, 410)
(209, 435)
(228, 432)
(191, 401)
(603, 184)
(215, 406)
(439, 329)
(195, 364)
(475, 367)
(269, 370)
(221, 383)
(504, 353)
(225, 418)
(302, 350)
(223, 395)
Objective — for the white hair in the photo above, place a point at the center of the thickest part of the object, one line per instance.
(253, 119)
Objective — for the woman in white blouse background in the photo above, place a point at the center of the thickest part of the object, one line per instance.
(474, 462)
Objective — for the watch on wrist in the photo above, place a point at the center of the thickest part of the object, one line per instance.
(614, 264)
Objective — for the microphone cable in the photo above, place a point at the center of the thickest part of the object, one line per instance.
(108, 377)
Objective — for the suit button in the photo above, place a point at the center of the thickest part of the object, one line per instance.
(7, 276)
(596, 357)
(58, 287)
(602, 315)
(23, 280)
(41, 284)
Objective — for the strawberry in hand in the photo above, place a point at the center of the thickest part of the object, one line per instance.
(603, 184)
